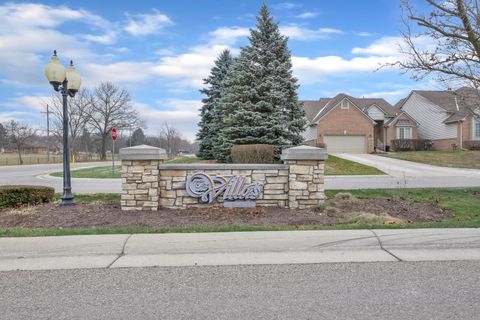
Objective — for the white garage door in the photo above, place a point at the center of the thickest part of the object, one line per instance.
(346, 144)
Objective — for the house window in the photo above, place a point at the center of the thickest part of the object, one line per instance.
(345, 104)
(404, 133)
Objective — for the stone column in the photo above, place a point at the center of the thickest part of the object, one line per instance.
(306, 176)
(140, 177)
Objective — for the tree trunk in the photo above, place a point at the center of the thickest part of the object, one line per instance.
(20, 156)
(103, 150)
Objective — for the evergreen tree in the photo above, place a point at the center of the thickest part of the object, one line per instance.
(260, 97)
(138, 137)
(3, 136)
(212, 112)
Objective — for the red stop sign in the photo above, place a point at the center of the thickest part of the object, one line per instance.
(114, 134)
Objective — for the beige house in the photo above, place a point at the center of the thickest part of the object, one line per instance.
(345, 124)
(445, 117)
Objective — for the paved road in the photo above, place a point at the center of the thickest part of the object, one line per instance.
(39, 175)
(405, 290)
(401, 174)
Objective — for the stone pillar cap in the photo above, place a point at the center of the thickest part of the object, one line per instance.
(304, 153)
(143, 152)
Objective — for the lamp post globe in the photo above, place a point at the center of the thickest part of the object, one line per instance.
(68, 83)
(55, 72)
(73, 78)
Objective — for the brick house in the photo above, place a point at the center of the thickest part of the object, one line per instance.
(445, 117)
(356, 125)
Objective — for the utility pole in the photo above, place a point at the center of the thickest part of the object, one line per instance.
(48, 133)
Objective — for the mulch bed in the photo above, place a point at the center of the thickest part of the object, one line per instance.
(108, 214)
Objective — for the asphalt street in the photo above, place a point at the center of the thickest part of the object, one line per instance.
(382, 290)
(39, 175)
(400, 174)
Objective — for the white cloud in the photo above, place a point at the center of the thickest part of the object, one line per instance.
(383, 47)
(307, 15)
(27, 103)
(189, 69)
(365, 34)
(125, 72)
(228, 35)
(311, 70)
(146, 24)
(296, 32)
(181, 114)
(287, 5)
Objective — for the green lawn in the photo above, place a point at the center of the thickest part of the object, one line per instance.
(106, 172)
(94, 173)
(456, 159)
(464, 203)
(338, 166)
(333, 166)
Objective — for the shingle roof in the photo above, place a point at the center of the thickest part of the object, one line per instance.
(456, 102)
(361, 103)
(456, 116)
(312, 107)
(364, 103)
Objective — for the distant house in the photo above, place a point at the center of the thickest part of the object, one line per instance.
(345, 124)
(444, 117)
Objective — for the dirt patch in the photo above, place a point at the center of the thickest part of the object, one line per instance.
(108, 214)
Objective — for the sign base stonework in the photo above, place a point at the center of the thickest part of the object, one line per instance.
(149, 183)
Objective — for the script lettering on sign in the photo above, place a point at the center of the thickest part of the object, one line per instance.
(208, 188)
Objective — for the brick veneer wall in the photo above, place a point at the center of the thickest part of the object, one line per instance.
(346, 122)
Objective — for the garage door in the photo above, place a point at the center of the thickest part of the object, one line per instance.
(346, 144)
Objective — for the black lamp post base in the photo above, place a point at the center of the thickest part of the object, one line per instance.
(67, 201)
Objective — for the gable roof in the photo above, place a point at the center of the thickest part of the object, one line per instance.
(401, 112)
(324, 105)
(366, 103)
(332, 103)
(452, 101)
(313, 107)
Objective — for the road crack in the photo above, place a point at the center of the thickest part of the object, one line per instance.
(382, 247)
(121, 253)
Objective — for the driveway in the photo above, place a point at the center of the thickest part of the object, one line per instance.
(402, 174)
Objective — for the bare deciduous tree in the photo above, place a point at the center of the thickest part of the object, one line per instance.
(19, 134)
(452, 55)
(171, 137)
(79, 110)
(111, 108)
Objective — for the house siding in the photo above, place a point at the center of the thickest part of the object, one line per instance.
(375, 113)
(347, 122)
(430, 118)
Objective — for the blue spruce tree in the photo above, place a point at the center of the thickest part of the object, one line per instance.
(260, 99)
(212, 113)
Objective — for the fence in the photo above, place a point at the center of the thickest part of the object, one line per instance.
(11, 159)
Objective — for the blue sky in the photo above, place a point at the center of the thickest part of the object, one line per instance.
(161, 50)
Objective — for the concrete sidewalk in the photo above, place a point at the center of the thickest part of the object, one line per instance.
(238, 248)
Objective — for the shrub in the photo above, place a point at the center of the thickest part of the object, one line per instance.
(318, 208)
(344, 196)
(14, 196)
(472, 144)
(411, 144)
(252, 153)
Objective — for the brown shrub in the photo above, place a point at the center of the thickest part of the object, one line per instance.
(252, 153)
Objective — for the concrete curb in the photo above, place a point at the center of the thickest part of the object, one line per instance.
(238, 248)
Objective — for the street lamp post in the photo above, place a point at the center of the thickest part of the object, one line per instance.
(67, 82)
